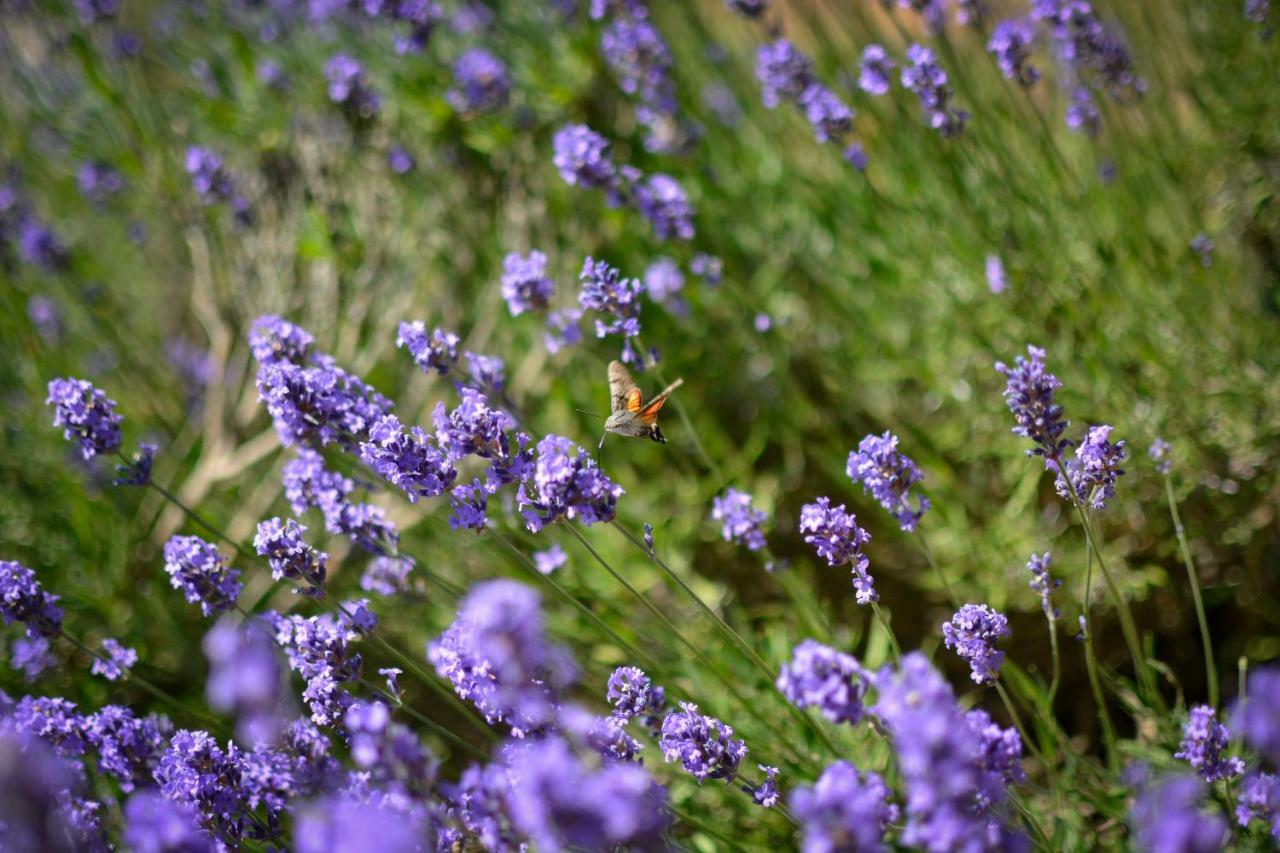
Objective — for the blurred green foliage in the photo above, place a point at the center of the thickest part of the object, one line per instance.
(881, 318)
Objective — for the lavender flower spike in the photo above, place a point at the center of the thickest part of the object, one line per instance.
(86, 415)
(23, 599)
(196, 568)
(525, 284)
(1029, 395)
(1094, 470)
(820, 677)
(924, 76)
(844, 811)
(116, 661)
(703, 745)
(408, 459)
(888, 475)
(743, 523)
(972, 633)
(838, 539)
(1204, 739)
(281, 542)
(436, 352)
(1038, 565)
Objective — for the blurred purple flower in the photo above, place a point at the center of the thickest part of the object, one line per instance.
(996, 281)
(480, 82)
(874, 70)
(1170, 816)
(156, 824)
(549, 561)
(117, 661)
(924, 76)
(86, 415)
(525, 283)
(349, 87)
(1010, 44)
(435, 352)
(821, 677)
(387, 575)
(844, 811)
(98, 181)
(246, 679)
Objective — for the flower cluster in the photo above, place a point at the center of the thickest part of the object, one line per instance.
(633, 694)
(566, 483)
(1038, 565)
(786, 74)
(703, 745)
(115, 660)
(23, 599)
(874, 70)
(488, 371)
(888, 475)
(1010, 44)
(98, 181)
(246, 679)
(954, 791)
(743, 523)
(349, 88)
(137, 472)
(1094, 470)
(436, 352)
(1204, 739)
(389, 752)
(605, 291)
(923, 75)
(319, 649)
(281, 542)
(480, 82)
(838, 539)
(1169, 816)
(497, 656)
(1094, 57)
(1160, 454)
(318, 404)
(213, 183)
(844, 810)
(407, 459)
(820, 677)
(86, 415)
(309, 483)
(972, 634)
(196, 568)
(525, 283)
(1029, 394)
(641, 60)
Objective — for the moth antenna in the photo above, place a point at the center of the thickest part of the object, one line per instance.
(592, 414)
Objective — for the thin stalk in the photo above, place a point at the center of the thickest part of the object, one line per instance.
(888, 629)
(199, 519)
(928, 556)
(158, 692)
(1210, 668)
(684, 419)
(1057, 661)
(1091, 665)
(1127, 625)
(734, 690)
(426, 721)
(1017, 723)
(737, 639)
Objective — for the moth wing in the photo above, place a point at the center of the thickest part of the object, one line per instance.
(649, 414)
(624, 394)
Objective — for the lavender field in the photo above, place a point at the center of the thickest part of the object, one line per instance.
(956, 532)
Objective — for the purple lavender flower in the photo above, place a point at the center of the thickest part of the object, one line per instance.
(392, 675)
(31, 656)
(970, 12)
(766, 794)
(196, 568)
(319, 404)
(1094, 55)
(562, 330)
(128, 746)
(638, 55)
(44, 313)
(582, 156)
(1255, 718)
(86, 415)
(888, 475)
(972, 634)
(209, 177)
(138, 471)
(1160, 454)
(709, 268)
(1260, 800)
(37, 797)
(388, 751)
(281, 542)
(934, 12)
(92, 11)
(953, 797)
(1010, 44)
(664, 203)
(525, 283)
(996, 281)
(855, 156)
(273, 338)
(1029, 395)
(468, 504)
(117, 661)
(1094, 470)
(98, 181)
(874, 70)
(1170, 816)
(844, 811)
(1038, 565)
(703, 745)
(924, 76)
(349, 87)
(497, 656)
(748, 8)
(743, 523)
(155, 824)
(196, 773)
(488, 371)
(319, 649)
(407, 459)
(480, 82)
(308, 483)
(604, 290)
(472, 428)
(630, 692)
(437, 351)
(820, 677)
(663, 280)
(1256, 11)
(838, 539)
(567, 483)
(560, 803)
(23, 599)
(400, 160)
(349, 822)
(39, 246)
(1202, 244)
(1204, 739)
(246, 679)
(52, 719)
(387, 575)
(549, 561)
(783, 71)
(830, 117)
(1082, 113)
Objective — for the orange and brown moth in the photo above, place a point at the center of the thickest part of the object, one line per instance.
(630, 415)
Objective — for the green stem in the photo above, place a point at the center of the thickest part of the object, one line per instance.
(751, 707)
(146, 685)
(928, 555)
(1210, 668)
(426, 721)
(888, 630)
(1091, 665)
(1017, 723)
(743, 645)
(1057, 661)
